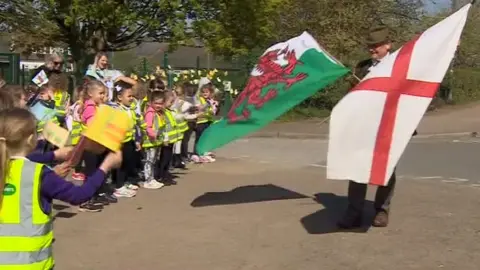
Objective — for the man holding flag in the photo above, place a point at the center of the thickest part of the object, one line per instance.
(371, 126)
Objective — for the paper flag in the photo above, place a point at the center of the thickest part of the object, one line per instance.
(42, 112)
(55, 134)
(109, 127)
(40, 79)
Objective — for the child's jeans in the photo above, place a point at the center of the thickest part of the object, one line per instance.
(152, 155)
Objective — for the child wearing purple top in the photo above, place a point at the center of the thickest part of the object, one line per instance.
(20, 176)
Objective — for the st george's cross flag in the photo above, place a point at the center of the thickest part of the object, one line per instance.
(372, 125)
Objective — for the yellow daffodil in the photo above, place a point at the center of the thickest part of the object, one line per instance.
(211, 73)
(175, 79)
(169, 67)
(219, 80)
(135, 77)
(143, 79)
(185, 77)
(199, 72)
(215, 71)
(192, 71)
(191, 82)
(235, 92)
(195, 81)
(225, 73)
(152, 77)
(185, 72)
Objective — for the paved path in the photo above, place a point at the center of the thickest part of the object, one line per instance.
(273, 210)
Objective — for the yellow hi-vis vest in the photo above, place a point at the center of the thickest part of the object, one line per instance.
(171, 133)
(26, 233)
(133, 116)
(208, 115)
(182, 126)
(76, 131)
(61, 99)
(158, 125)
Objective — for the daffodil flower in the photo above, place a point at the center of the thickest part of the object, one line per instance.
(215, 70)
(199, 72)
(225, 73)
(169, 67)
(219, 80)
(175, 79)
(195, 81)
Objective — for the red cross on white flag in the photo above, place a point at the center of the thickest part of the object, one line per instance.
(371, 126)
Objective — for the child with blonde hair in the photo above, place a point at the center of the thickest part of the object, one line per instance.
(93, 95)
(29, 217)
(153, 138)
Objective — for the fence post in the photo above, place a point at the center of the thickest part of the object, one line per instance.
(168, 72)
(144, 65)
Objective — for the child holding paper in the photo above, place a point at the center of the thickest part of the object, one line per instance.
(184, 113)
(204, 121)
(123, 95)
(20, 176)
(152, 139)
(170, 137)
(59, 84)
(93, 95)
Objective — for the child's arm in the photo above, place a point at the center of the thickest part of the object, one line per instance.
(149, 116)
(55, 187)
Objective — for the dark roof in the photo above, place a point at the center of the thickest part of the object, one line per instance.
(184, 57)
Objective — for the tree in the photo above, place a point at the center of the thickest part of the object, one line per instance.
(89, 26)
(235, 27)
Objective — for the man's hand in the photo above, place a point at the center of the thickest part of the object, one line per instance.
(138, 146)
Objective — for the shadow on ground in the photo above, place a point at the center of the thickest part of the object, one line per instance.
(62, 214)
(246, 194)
(324, 221)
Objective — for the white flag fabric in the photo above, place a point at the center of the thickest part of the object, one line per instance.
(371, 126)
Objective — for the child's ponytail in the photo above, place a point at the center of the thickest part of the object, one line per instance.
(17, 125)
(4, 160)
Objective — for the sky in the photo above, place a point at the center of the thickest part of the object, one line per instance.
(434, 6)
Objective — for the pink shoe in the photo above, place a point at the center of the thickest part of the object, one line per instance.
(78, 176)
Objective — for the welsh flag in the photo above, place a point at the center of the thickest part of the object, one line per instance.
(371, 126)
(285, 75)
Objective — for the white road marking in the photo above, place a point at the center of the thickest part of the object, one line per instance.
(317, 165)
(428, 177)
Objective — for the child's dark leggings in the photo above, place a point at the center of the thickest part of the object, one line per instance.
(166, 154)
(186, 139)
(199, 129)
(92, 162)
(127, 169)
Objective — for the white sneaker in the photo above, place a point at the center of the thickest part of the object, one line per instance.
(152, 184)
(131, 186)
(124, 192)
(210, 158)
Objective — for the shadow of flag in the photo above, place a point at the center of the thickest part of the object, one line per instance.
(246, 194)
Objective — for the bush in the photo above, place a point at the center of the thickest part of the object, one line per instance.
(464, 84)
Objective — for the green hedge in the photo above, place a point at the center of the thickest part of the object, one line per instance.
(464, 84)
